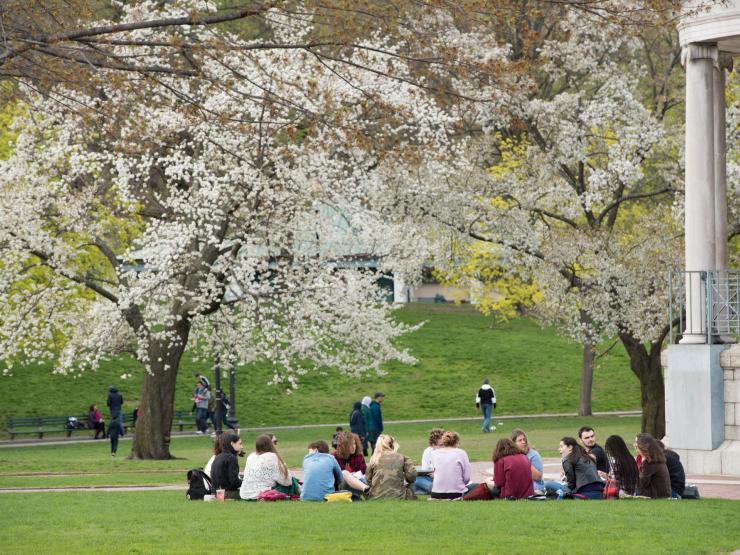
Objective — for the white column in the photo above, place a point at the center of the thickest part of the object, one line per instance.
(720, 162)
(699, 60)
(401, 293)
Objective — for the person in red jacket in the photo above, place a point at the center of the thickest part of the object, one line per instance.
(512, 474)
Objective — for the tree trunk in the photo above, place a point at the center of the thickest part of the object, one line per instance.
(587, 380)
(152, 437)
(646, 366)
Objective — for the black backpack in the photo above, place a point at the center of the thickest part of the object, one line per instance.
(197, 488)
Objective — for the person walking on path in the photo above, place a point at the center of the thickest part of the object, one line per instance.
(366, 400)
(486, 401)
(357, 425)
(115, 430)
(376, 419)
(115, 402)
(201, 396)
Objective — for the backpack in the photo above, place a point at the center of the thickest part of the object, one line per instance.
(197, 480)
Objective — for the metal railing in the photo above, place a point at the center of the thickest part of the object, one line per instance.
(705, 303)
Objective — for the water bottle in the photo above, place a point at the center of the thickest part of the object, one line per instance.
(561, 494)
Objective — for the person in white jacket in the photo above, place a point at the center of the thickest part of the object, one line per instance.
(264, 469)
(486, 401)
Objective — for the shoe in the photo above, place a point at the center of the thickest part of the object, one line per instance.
(199, 432)
(112, 454)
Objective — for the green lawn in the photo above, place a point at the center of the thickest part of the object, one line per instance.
(164, 522)
(90, 463)
(533, 370)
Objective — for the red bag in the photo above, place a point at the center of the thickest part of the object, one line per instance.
(611, 489)
(272, 495)
(479, 493)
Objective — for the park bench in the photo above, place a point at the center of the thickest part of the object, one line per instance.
(40, 425)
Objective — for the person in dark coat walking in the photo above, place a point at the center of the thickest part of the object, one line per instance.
(115, 402)
(376, 419)
(115, 430)
(357, 425)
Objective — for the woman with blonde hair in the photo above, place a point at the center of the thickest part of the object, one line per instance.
(451, 468)
(390, 475)
(264, 469)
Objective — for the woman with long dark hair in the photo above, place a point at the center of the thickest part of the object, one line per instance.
(654, 480)
(95, 422)
(225, 468)
(580, 470)
(622, 466)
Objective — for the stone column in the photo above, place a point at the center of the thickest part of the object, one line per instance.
(720, 162)
(699, 60)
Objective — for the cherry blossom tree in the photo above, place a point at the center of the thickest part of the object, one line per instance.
(580, 189)
(226, 213)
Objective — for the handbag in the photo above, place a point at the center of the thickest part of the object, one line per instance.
(479, 493)
(690, 492)
(338, 497)
(272, 495)
(611, 489)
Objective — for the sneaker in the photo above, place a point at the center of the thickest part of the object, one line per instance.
(199, 432)
(112, 454)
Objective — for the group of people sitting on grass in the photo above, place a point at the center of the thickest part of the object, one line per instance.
(588, 471)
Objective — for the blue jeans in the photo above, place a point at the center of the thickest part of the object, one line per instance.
(554, 485)
(200, 419)
(487, 410)
(423, 485)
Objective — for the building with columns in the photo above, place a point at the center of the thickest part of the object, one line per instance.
(703, 370)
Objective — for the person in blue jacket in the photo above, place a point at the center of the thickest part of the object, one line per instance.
(376, 419)
(321, 472)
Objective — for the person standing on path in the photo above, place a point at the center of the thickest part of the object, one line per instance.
(486, 401)
(376, 419)
(357, 424)
(115, 402)
(366, 400)
(201, 396)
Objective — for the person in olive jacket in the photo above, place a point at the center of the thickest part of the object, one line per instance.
(225, 468)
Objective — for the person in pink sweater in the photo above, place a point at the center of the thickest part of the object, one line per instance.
(512, 473)
(451, 468)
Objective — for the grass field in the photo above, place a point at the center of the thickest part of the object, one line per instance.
(164, 522)
(533, 370)
(90, 463)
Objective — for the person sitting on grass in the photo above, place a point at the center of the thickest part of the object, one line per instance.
(451, 468)
(217, 448)
(535, 460)
(321, 472)
(264, 470)
(390, 475)
(622, 467)
(349, 457)
(675, 471)
(580, 470)
(225, 468)
(654, 480)
(423, 484)
(512, 471)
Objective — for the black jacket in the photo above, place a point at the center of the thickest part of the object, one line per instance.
(602, 462)
(675, 471)
(115, 400)
(225, 472)
(357, 421)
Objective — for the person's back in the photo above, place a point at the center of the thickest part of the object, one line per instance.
(262, 472)
(357, 421)
(582, 474)
(676, 472)
(321, 473)
(655, 482)
(513, 475)
(388, 476)
(451, 471)
(115, 401)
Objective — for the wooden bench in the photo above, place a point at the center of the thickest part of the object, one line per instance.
(40, 425)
